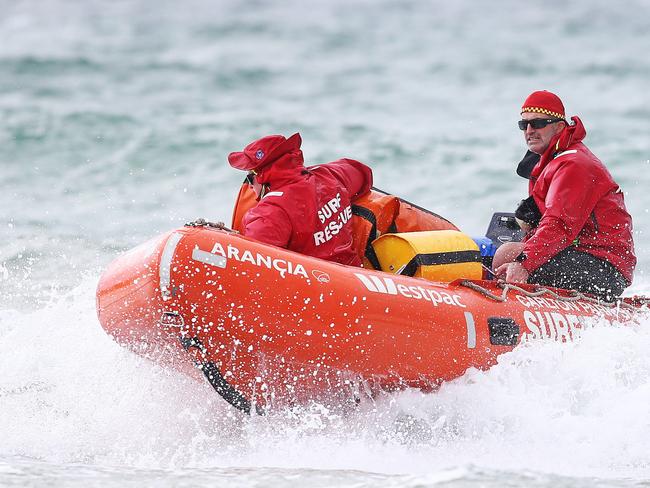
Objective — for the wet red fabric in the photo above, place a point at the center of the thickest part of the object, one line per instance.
(308, 210)
(581, 204)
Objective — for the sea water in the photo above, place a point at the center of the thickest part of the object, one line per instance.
(115, 122)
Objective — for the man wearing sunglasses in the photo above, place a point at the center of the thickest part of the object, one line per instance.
(304, 209)
(581, 238)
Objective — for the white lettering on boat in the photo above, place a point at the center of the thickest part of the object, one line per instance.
(580, 307)
(387, 286)
(552, 325)
(282, 266)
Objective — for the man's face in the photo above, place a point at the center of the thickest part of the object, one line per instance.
(539, 139)
(259, 188)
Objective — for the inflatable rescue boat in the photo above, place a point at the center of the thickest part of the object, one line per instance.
(270, 328)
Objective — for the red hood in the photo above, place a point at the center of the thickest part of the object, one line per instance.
(285, 169)
(572, 134)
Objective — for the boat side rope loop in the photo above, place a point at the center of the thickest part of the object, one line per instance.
(540, 291)
(212, 225)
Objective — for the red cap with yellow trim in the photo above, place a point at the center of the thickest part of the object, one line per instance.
(544, 102)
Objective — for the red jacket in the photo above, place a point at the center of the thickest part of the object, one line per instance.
(308, 210)
(580, 204)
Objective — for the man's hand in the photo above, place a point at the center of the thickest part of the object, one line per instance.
(512, 272)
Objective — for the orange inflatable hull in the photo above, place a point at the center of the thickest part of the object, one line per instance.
(270, 328)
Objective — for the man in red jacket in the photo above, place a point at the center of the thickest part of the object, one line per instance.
(583, 240)
(304, 209)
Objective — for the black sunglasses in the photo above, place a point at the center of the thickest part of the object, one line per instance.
(537, 123)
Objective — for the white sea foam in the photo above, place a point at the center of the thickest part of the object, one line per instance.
(70, 395)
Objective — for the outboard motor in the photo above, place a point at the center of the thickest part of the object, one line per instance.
(503, 228)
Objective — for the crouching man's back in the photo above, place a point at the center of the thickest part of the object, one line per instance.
(304, 209)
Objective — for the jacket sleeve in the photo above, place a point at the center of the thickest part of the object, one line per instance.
(267, 223)
(355, 176)
(572, 195)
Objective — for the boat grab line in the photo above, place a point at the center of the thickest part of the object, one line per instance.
(211, 225)
(540, 290)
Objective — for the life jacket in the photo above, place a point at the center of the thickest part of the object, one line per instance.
(412, 218)
(377, 213)
(373, 214)
(246, 199)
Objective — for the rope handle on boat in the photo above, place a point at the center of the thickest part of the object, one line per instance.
(212, 225)
(540, 290)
